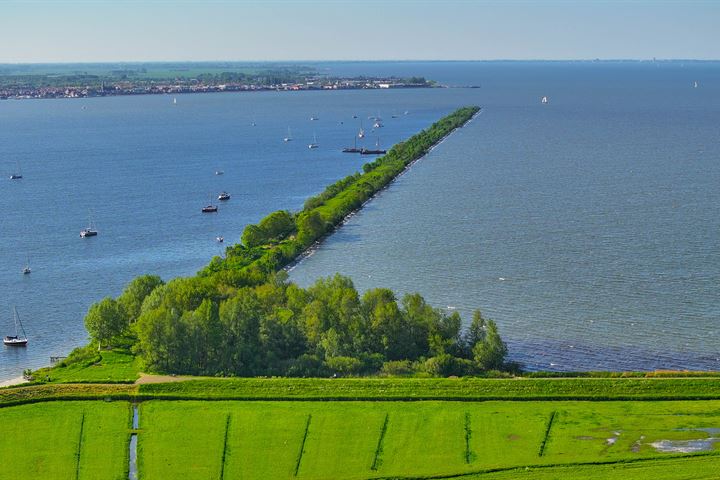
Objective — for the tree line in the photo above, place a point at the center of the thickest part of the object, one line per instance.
(193, 326)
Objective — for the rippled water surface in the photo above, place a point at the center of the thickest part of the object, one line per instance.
(588, 228)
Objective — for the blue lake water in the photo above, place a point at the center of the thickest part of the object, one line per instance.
(587, 228)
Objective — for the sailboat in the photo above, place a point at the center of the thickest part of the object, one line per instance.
(353, 149)
(17, 175)
(544, 100)
(289, 136)
(16, 340)
(89, 231)
(314, 143)
(361, 133)
(695, 84)
(27, 270)
(174, 101)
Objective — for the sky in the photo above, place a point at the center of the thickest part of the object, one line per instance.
(38, 31)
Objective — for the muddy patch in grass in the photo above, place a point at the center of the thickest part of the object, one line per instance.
(685, 446)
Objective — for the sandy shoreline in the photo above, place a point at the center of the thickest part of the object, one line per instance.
(12, 381)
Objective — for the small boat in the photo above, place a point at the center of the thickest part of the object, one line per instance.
(224, 196)
(219, 172)
(544, 100)
(361, 133)
(210, 209)
(289, 136)
(174, 101)
(354, 116)
(695, 84)
(89, 231)
(314, 143)
(377, 124)
(219, 239)
(17, 175)
(313, 118)
(16, 340)
(26, 270)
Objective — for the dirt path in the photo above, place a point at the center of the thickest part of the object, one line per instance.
(147, 378)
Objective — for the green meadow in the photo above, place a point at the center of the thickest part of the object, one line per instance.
(65, 440)
(196, 439)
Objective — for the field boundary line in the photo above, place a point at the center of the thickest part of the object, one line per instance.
(468, 435)
(79, 446)
(451, 476)
(224, 452)
(302, 445)
(377, 459)
(541, 452)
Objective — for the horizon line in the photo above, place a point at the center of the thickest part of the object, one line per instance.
(539, 60)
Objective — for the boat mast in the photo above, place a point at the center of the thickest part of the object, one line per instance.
(18, 322)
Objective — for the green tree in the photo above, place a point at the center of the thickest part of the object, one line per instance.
(491, 352)
(135, 293)
(105, 320)
(311, 226)
(277, 225)
(240, 317)
(253, 236)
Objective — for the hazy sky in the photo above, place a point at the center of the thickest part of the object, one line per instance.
(133, 30)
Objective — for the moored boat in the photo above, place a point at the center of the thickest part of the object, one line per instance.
(20, 338)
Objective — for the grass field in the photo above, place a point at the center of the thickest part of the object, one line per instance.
(65, 440)
(109, 366)
(388, 389)
(467, 388)
(361, 440)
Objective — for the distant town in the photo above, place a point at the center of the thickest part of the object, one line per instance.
(143, 81)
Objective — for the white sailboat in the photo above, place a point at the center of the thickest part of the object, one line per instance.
(289, 136)
(17, 175)
(16, 340)
(174, 101)
(314, 143)
(544, 100)
(89, 231)
(361, 133)
(695, 84)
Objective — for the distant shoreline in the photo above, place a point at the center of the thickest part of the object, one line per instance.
(213, 90)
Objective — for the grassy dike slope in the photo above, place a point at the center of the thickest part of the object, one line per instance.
(380, 389)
